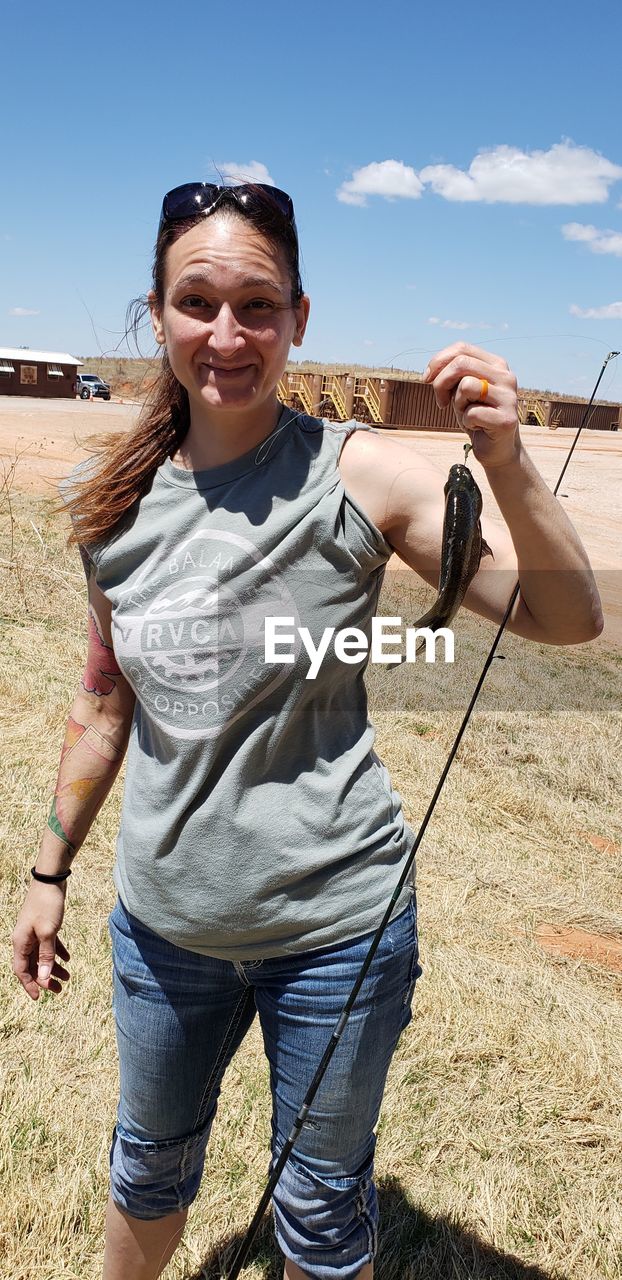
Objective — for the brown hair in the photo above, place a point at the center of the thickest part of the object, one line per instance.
(103, 502)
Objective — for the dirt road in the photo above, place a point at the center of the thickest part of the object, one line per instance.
(40, 440)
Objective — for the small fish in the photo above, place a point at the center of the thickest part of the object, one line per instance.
(463, 547)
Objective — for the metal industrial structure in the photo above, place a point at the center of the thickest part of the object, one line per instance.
(388, 402)
(553, 412)
(408, 403)
(37, 373)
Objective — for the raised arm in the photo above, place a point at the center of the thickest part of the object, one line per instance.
(558, 602)
(95, 741)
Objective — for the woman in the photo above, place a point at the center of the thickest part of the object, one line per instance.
(260, 835)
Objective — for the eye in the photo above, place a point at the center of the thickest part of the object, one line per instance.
(193, 301)
(260, 304)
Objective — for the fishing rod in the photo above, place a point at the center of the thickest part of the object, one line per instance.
(242, 1252)
(612, 355)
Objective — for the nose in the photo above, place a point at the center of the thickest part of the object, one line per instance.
(225, 336)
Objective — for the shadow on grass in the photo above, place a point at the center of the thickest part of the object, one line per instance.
(412, 1245)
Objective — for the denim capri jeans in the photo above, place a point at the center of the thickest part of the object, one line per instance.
(180, 1016)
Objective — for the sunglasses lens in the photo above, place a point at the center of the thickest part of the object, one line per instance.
(190, 198)
(285, 202)
(280, 198)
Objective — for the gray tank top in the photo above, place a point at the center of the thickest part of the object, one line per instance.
(257, 819)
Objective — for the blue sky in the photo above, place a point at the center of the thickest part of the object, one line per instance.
(456, 171)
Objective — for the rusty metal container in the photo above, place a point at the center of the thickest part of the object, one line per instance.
(569, 413)
(406, 403)
(412, 404)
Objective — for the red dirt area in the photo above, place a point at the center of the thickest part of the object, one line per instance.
(578, 944)
(600, 843)
(41, 440)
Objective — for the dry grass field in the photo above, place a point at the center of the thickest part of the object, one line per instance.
(500, 1140)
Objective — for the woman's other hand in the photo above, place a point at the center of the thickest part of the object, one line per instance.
(484, 393)
(36, 942)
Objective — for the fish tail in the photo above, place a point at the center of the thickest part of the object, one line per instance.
(433, 619)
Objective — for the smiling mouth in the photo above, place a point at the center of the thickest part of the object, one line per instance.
(217, 368)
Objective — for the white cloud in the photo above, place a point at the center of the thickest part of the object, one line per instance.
(565, 174)
(598, 241)
(449, 324)
(23, 311)
(612, 311)
(368, 342)
(458, 324)
(253, 171)
(578, 231)
(388, 178)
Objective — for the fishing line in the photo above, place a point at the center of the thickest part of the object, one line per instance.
(516, 337)
(278, 1166)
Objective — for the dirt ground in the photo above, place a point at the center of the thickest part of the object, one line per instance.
(579, 944)
(40, 440)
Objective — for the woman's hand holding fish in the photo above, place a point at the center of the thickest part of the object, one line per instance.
(462, 373)
(558, 601)
(404, 495)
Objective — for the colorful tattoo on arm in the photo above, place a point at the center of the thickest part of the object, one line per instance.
(101, 664)
(55, 825)
(88, 764)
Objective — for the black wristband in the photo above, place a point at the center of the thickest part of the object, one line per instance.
(38, 875)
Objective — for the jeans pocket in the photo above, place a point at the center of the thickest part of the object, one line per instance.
(415, 970)
(118, 919)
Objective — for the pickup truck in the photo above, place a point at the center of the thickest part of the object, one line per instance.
(89, 384)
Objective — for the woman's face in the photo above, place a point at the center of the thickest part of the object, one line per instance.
(227, 319)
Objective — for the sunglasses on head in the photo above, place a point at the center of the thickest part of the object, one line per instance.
(204, 197)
